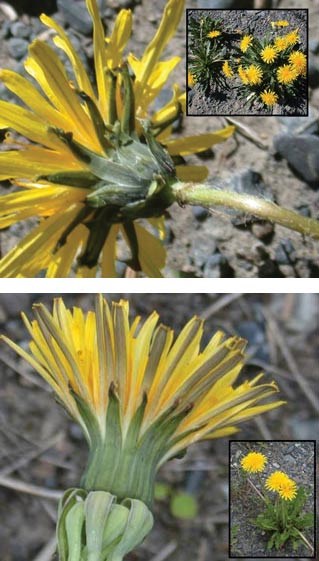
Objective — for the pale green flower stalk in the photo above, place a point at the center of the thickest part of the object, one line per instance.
(141, 396)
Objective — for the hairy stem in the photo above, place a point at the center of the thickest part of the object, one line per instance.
(206, 196)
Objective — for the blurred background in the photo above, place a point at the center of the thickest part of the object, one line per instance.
(40, 446)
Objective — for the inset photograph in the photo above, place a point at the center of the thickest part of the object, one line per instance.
(247, 62)
(272, 499)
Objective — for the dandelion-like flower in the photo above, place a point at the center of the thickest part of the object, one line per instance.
(298, 61)
(214, 33)
(286, 74)
(280, 44)
(288, 490)
(281, 483)
(279, 23)
(276, 480)
(190, 80)
(97, 163)
(269, 97)
(227, 70)
(254, 462)
(254, 74)
(292, 38)
(245, 43)
(243, 75)
(268, 54)
(141, 395)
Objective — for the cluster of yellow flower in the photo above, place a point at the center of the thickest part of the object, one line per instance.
(288, 70)
(278, 481)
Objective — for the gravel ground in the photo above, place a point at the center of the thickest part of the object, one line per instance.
(40, 445)
(278, 159)
(297, 459)
(257, 23)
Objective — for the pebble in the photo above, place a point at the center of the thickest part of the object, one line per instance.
(200, 213)
(17, 47)
(314, 45)
(301, 152)
(263, 231)
(76, 15)
(313, 71)
(20, 29)
(309, 123)
(285, 252)
(217, 266)
(254, 332)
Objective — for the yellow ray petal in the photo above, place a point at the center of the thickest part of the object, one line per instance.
(35, 161)
(61, 262)
(47, 69)
(31, 97)
(198, 143)
(100, 60)
(109, 253)
(26, 123)
(168, 111)
(157, 79)
(152, 254)
(120, 35)
(169, 22)
(33, 253)
(191, 173)
(64, 43)
(37, 202)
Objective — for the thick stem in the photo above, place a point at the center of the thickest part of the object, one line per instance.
(206, 196)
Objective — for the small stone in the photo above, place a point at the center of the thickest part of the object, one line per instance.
(301, 152)
(217, 266)
(200, 213)
(20, 29)
(263, 231)
(313, 74)
(212, 266)
(17, 47)
(285, 253)
(314, 46)
(5, 29)
(309, 123)
(76, 15)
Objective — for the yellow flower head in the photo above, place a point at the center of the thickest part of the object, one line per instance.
(245, 43)
(126, 381)
(214, 33)
(288, 490)
(227, 70)
(281, 483)
(243, 75)
(276, 480)
(254, 74)
(292, 38)
(286, 74)
(190, 80)
(279, 23)
(254, 462)
(97, 163)
(269, 97)
(280, 44)
(268, 54)
(298, 61)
